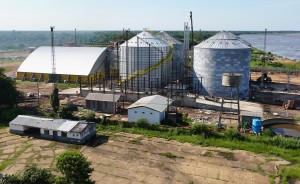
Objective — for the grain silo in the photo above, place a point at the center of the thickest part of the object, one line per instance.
(222, 53)
(143, 61)
(177, 62)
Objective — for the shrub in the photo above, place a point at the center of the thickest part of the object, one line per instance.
(201, 129)
(186, 119)
(268, 132)
(65, 112)
(233, 134)
(142, 123)
(126, 124)
(89, 116)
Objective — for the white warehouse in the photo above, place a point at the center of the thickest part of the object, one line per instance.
(76, 132)
(153, 108)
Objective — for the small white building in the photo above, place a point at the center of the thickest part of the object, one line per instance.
(153, 108)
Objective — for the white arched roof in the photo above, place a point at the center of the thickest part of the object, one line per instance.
(69, 60)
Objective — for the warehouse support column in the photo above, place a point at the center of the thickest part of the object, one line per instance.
(80, 90)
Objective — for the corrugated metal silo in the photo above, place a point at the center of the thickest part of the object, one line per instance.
(222, 53)
(141, 61)
(177, 63)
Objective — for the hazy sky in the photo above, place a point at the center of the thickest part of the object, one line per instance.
(154, 14)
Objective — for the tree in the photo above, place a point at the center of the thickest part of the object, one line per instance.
(54, 100)
(65, 112)
(74, 167)
(9, 95)
(35, 175)
(31, 175)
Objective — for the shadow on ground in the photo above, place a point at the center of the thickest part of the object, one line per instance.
(98, 140)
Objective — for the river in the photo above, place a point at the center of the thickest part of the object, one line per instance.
(286, 45)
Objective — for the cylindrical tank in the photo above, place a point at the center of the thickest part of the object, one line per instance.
(231, 79)
(177, 62)
(256, 125)
(222, 53)
(138, 55)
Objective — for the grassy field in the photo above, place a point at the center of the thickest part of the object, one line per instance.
(286, 148)
(256, 61)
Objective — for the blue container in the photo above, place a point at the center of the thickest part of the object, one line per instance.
(256, 125)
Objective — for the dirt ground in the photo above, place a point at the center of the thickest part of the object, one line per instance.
(129, 158)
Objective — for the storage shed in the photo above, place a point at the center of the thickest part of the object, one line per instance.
(106, 103)
(153, 108)
(77, 132)
(73, 64)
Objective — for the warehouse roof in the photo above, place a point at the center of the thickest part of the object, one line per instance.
(155, 102)
(145, 38)
(167, 38)
(37, 122)
(69, 60)
(50, 124)
(103, 97)
(67, 126)
(224, 40)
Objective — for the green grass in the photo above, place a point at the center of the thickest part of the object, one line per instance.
(256, 62)
(63, 86)
(25, 83)
(290, 172)
(169, 155)
(297, 118)
(227, 155)
(135, 141)
(6, 68)
(208, 154)
(11, 61)
(11, 160)
(60, 86)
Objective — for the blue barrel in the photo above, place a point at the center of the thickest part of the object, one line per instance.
(256, 125)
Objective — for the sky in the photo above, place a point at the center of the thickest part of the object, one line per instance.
(243, 15)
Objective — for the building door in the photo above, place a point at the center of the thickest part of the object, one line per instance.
(54, 135)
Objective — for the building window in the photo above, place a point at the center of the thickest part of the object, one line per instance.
(46, 132)
(64, 134)
(143, 112)
(135, 112)
(151, 112)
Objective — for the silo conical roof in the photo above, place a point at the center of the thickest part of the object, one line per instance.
(224, 40)
(145, 38)
(168, 38)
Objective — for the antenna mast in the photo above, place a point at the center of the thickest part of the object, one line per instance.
(53, 54)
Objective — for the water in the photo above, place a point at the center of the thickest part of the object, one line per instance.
(287, 129)
(282, 44)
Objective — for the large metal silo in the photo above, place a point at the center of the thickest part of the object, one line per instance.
(177, 60)
(140, 65)
(222, 53)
